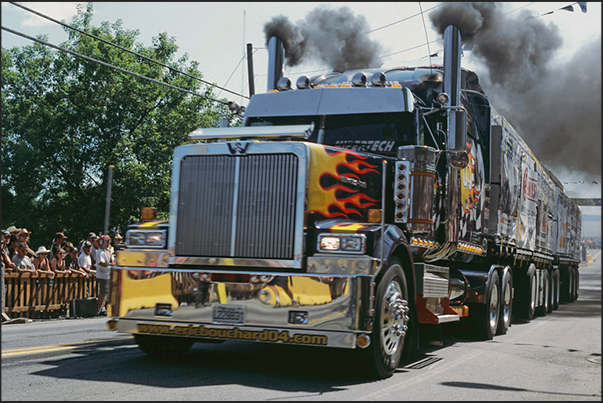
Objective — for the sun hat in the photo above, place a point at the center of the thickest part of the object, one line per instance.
(24, 231)
(42, 249)
(12, 229)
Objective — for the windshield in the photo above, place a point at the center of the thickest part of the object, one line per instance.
(380, 133)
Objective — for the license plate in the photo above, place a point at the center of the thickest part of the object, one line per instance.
(228, 314)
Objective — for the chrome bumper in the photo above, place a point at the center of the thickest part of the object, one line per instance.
(307, 308)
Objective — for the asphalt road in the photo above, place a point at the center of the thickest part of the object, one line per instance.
(556, 357)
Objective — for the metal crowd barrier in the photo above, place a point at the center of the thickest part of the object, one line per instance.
(42, 296)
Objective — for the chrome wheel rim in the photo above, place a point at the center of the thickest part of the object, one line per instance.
(493, 314)
(507, 304)
(394, 318)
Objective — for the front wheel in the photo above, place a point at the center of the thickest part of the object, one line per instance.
(390, 328)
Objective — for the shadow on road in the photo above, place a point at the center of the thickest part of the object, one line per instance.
(276, 367)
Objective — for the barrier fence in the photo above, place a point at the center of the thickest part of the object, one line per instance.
(42, 296)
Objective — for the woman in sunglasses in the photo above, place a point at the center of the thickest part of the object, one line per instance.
(57, 264)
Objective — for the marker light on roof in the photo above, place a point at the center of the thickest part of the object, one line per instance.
(284, 84)
(303, 83)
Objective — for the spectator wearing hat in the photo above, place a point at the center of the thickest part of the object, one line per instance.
(57, 264)
(24, 238)
(94, 251)
(117, 242)
(8, 264)
(103, 271)
(13, 230)
(41, 262)
(22, 261)
(84, 260)
(90, 237)
(57, 242)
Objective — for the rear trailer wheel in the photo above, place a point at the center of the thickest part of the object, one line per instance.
(546, 291)
(390, 327)
(572, 286)
(163, 346)
(556, 289)
(576, 283)
(506, 303)
(525, 298)
(551, 295)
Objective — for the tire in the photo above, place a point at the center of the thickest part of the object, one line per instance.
(556, 289)
(506, 303)
(576, 283)
(390, 330)
(571, 285)
(546, 292)
(163, 346)
(485, 317)
(551, 293)
(526, 298)
(533, 291)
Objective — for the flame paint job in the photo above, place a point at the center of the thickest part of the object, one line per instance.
(328, 196)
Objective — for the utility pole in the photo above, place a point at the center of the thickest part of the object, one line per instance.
(108, 205)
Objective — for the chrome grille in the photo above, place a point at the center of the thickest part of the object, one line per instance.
(237, 206)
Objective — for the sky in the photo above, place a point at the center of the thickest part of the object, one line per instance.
(216, 35)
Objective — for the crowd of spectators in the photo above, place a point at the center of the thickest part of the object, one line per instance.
(93, 256)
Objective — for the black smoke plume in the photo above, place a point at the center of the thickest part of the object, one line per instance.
(555, 107)
(333, 37)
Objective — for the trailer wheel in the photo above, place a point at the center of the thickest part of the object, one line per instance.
(551, 293)
(163, 346)
(576, 283)
(546, 292)
(526, 295)
(556, 289)
(506, 303)
(390, 328)
(571, 286)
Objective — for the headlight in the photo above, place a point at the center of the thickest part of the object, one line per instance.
(146, 239)
(341, 243)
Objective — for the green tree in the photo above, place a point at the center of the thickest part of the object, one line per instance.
(66, 119)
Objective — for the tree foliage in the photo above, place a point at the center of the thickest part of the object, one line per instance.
(66, 119)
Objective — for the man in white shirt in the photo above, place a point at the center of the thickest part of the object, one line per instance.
(104, 261)
(84, 260)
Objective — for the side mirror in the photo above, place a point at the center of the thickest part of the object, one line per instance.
(457, 129)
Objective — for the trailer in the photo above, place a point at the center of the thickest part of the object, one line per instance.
(355, 210)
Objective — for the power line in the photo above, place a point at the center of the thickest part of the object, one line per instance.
(109, 65)
(426, 37)
(122, 48)
(402, 20)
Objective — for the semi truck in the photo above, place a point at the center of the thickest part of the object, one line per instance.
(357, 210)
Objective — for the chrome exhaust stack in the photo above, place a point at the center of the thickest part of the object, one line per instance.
(276, 61)
(457, 129)
(452, 87)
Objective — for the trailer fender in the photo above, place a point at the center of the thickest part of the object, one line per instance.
(479, 280)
